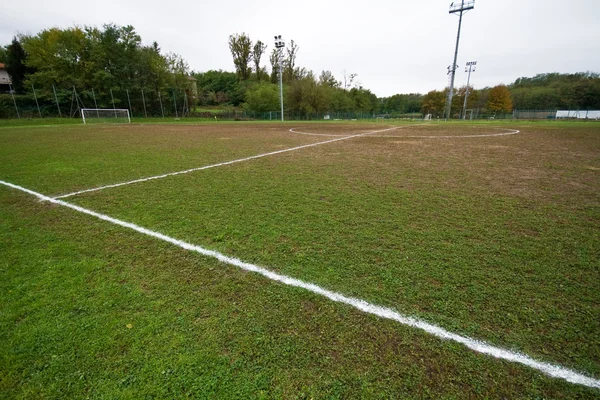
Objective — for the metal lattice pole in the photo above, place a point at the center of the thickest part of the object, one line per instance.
(144, 101)
(129, 101)
(95, 103)
(175, 102)
(280, 44)
(56, 98)
(162, 110)
(471, 65)
(36, 100)
(14, 101)
(113, 101)
(456, 9)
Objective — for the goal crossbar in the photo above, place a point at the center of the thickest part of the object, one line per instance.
(105, 114)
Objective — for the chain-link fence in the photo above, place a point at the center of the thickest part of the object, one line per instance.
(67, 103)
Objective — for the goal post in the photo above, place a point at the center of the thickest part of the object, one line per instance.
(105, 115)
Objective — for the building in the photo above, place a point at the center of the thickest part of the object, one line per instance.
(4, 79)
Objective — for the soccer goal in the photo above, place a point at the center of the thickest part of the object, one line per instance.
(105, 115)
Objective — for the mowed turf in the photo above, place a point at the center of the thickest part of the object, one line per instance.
(496, 238)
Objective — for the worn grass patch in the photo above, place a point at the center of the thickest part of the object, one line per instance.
(496, 238)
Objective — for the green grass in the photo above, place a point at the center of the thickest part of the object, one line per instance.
(496, 238)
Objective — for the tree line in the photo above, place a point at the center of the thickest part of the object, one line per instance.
(112, 59)
(548, 92)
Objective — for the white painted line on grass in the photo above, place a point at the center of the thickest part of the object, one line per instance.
(293, 130)
(187, 171)
(554, 371)
(511, 132)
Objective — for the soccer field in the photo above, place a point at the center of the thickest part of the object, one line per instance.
(300, 260)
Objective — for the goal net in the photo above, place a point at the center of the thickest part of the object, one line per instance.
(105, 115)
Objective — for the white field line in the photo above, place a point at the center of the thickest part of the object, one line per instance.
(187, 171)
(555, 371)
(293, 130)
(511, 132)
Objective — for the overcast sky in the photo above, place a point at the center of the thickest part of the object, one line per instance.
(394, 46)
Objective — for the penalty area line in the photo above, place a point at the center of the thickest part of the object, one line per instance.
(187, 171)
(555, 371)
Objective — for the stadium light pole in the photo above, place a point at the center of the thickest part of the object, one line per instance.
(280, 44)
(462, 8)
(471, 65)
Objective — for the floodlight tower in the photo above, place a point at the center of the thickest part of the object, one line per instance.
(280, 44)
(471, 66)
(461, 8)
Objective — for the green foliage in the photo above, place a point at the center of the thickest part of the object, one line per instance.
(3, 54)
(262, 97)
(364, 100)
(15, 57)
(327, 79)
(305, 96)
(257, 52)
(402, 103)
(240, 47)
(557, 91)
(499, 99)
(434, 103)
(220, 87)
(108, 58)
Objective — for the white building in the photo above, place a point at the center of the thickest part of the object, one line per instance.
(4, 79)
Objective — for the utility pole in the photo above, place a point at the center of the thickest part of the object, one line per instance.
(280, 44)
(471, 65)
(461, 8)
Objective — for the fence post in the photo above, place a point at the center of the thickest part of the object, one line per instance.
(162, 110)
(144, 101)
(129, 101)
(95, 103)
(14, 101)
(175, 102)
(113, 101)
(57, 105)
(36, 101)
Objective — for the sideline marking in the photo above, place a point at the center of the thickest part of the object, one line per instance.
(187, 171)
(552, 370)
(511, 132)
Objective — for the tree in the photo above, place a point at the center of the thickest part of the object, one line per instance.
(274, 59)
(3, 54)
(340, 100)
(289, 63)
(16, 67)
(219, 87)
(402, 103)
(364, 100)
(327, 79)
(434, 103)
(59, 57)
(348, 79)
(305, 96)
(499, 99)
(257, 53)
(241, 50)
(262, 97)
